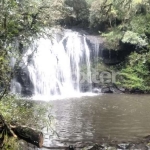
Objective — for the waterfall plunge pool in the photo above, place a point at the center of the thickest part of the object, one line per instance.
(99, 119)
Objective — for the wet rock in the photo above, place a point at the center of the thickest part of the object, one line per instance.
(147, 137)
(140, 146)
(106, 90)
(111, 148)
(85, 87)
(123, 146)
(116, 89)
(26, 146)
(112, 57)
(96, 90)
(71, 147)
(89, 148)
(112, 88)
(22, 77)
(95, 147)
(148, 145)
(137, 91)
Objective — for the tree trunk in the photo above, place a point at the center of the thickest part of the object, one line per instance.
(30, 135)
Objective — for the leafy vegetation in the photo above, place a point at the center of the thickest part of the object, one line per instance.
(122, 23)
(135, 74)
(113, 39)
(134, 39)
(19, 21)
(25, 113)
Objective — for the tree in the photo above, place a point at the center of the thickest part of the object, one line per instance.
(19, 20)
(116, 12)
(80, 9)
(72, 12)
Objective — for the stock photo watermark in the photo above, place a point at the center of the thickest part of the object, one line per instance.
(97, 77)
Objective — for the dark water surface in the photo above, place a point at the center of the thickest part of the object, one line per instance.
(100, 118)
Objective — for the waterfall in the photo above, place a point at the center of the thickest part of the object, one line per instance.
(54, 65)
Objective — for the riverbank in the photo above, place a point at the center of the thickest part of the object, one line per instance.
(21, 119)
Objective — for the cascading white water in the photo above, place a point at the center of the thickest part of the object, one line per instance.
(54, 68)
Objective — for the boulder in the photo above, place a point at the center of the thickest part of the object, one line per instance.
(96, 90)
(106, 90)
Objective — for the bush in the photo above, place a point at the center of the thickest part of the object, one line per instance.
(135, 74)
(113, 39)
(22, 112)
(133, 38)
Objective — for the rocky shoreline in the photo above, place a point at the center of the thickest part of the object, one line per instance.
(113, 88)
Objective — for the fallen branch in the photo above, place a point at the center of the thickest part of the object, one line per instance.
(7, 126)
(17, 131)
(30, 135)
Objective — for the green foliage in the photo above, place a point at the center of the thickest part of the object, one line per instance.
(24, 112)
(101, 11)
(112, 11)
(21, 112)
(135, 74)
(131, 27)
(79, 9)
(138, 31)
(20, 20)
(113, 39)
(10, 144)
(122, 21)
(71, 12)
(134, 39)
(141, 25)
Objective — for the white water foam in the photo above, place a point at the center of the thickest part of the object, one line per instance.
(55, 66)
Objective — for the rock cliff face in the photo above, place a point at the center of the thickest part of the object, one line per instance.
(23, 78)
(108, 56)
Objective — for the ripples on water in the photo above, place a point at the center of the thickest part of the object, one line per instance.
(101, 118)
